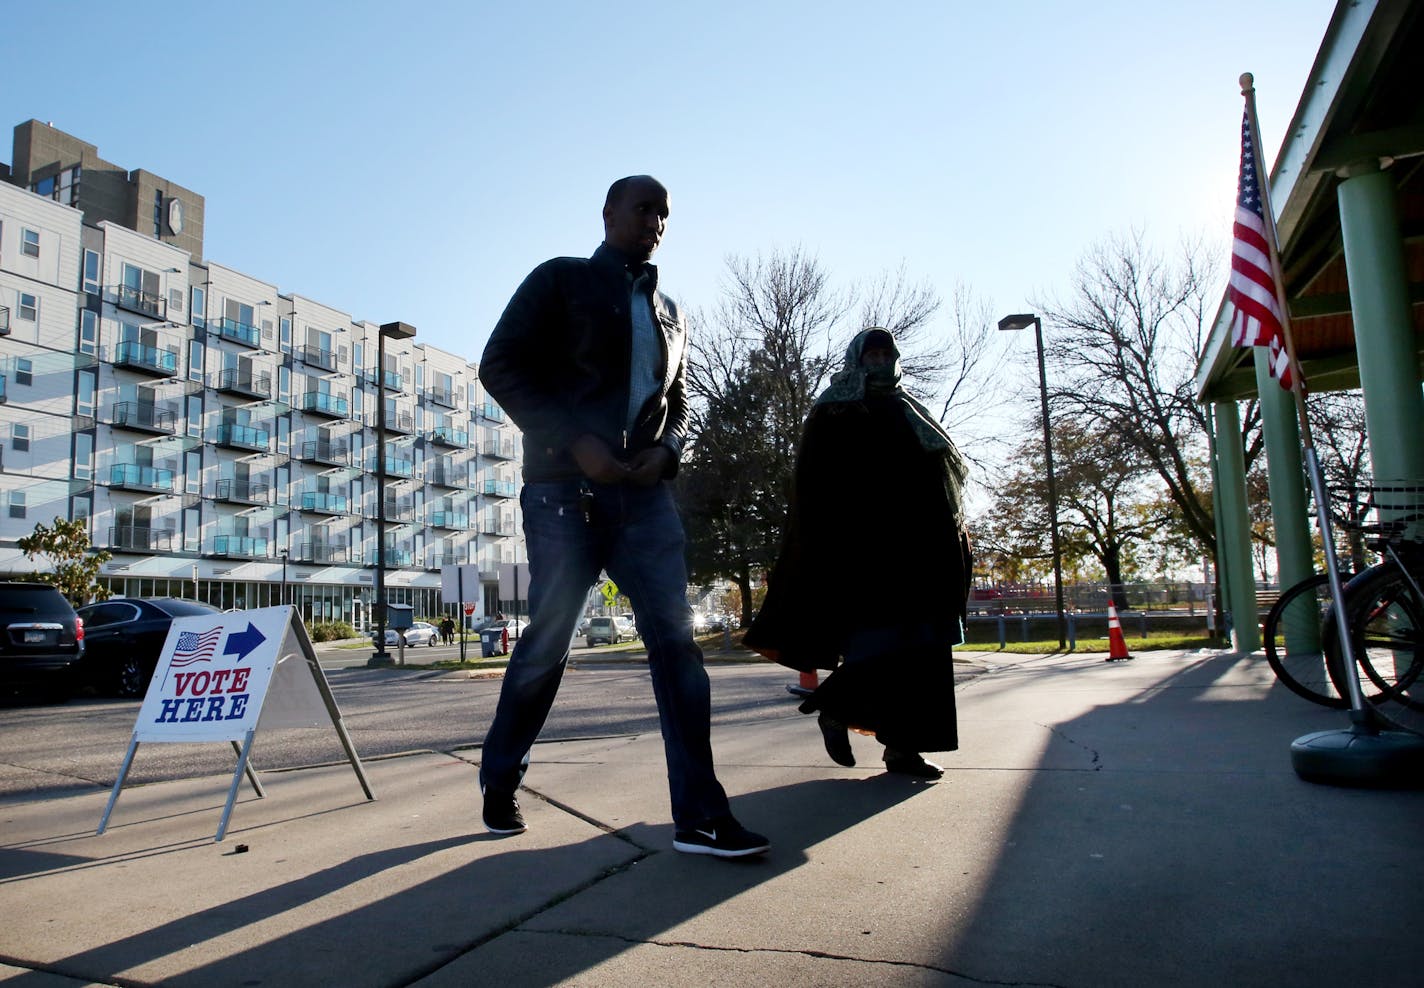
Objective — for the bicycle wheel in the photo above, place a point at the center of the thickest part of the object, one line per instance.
(1297, 627)
(1387, 635)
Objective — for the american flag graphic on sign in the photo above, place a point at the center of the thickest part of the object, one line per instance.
(195, 646)
(1252, 288)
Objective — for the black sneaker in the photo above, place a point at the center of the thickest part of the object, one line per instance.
(723, 837)
(837, 740)
(911, 763)
(502, 814)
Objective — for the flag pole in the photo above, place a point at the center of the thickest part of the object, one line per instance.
(1361, 714)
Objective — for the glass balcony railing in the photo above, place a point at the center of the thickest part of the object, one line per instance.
(395, 466)
(244, 491)
(140, 538)
(447, 435)
(495, 449)
(317, 357)
(323, 403)
(238, 381)
(242, 545)
(449, 519)
(323, 552)
(324, 502)
(492, 412)
(238, 332)
(150, 359)
(499, 488)
(136, 477)
(442, 396)
(244, 437)
(138, 300)
(143, 417)
(325, 451)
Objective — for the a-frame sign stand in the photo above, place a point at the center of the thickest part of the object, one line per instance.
(224, 678)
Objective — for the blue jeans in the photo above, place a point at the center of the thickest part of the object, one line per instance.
(636, 535)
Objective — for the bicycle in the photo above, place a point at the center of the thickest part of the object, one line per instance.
(1384, 607)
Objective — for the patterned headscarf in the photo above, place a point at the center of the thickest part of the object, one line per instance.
(854, 381)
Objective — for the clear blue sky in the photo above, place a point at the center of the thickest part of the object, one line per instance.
(414, 161)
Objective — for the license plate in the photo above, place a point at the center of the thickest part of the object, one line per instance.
(34, 637)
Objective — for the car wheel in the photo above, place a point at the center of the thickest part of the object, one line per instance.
(130, 680)
(430, 641)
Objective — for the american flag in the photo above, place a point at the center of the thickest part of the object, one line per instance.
(194, 647)
(1252, 289)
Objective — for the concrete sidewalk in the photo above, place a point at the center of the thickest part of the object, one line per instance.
(1133, 824)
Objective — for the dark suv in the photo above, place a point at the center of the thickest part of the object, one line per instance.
(41, 639)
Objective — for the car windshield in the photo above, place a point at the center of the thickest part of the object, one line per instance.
(182, 608)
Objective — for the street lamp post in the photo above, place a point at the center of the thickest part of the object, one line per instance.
(395, 331)
(1023, 321)
(283, 553)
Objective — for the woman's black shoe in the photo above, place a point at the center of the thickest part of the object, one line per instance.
(911, 763)
(837, 740)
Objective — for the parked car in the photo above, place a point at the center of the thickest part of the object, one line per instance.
(41, 640)
(124, 636)
(419, 633)
(499, 637)
(609, 630)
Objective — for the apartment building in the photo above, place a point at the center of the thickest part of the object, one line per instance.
(217, 435)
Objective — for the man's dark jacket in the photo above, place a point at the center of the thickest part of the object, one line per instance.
(558, 363)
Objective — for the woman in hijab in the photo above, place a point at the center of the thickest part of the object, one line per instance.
(878, 492)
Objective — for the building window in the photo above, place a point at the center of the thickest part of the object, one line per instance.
(193, 472)
(19, 437)
(192, 528)
(29, 242)
(84, 393)
(195, 361)
(29, 307)
(175, 300)
(24, 370)
(81, 509)
(92, 272)
(195, 416)
(200, 308)
(286, 339)
(83, 456)
(17, 504)
(88, 332)
(157, 213)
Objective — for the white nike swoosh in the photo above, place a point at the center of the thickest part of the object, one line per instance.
(709, 834)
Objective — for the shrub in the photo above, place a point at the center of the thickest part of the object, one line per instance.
(330, 631)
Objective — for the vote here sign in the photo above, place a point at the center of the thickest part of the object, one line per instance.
(212, 676)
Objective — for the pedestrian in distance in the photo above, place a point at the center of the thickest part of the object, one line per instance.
(879, 481)
(447, 630)
(589, 360)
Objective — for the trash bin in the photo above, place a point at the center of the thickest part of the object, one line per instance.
(489, 643)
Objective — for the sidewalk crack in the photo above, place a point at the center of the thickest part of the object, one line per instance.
(1096, 760)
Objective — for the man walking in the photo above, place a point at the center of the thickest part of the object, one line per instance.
(589, 360)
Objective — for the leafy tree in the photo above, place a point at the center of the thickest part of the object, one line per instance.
(73, 564)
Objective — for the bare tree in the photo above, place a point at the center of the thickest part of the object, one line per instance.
(1125, 344)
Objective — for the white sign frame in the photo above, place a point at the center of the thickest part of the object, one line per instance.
(225, 676)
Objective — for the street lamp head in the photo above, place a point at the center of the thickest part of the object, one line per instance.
(1021, 320)
(397, 330)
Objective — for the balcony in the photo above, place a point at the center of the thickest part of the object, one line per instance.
(324, 503)
(322, 552)
(444, 476)
(234, 436)
(492, 412)
(322, 403)
(442, 396)
(157, 361)
(244, 491)
(236, 381)
(4, 320)
(317, 357)
(497, 450)
(491, 527)
(238, 332)
(403, 422)
(400, 511)
(454, 520)
(499, 488)
(398, 557)
(139, 538)
(241, 547)
(136, 477)
(447, 435)
(325, 451)
(439, 559)
(395, 466)
(138, 300)
(144, 416)
(3, 397)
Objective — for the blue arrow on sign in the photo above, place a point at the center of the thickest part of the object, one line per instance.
(244, 642)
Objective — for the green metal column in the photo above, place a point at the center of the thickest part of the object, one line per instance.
(1234, 552)
(1285, 470)
(1384, 329)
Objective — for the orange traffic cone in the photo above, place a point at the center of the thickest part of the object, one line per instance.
(1117, 645)
(805, 685)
